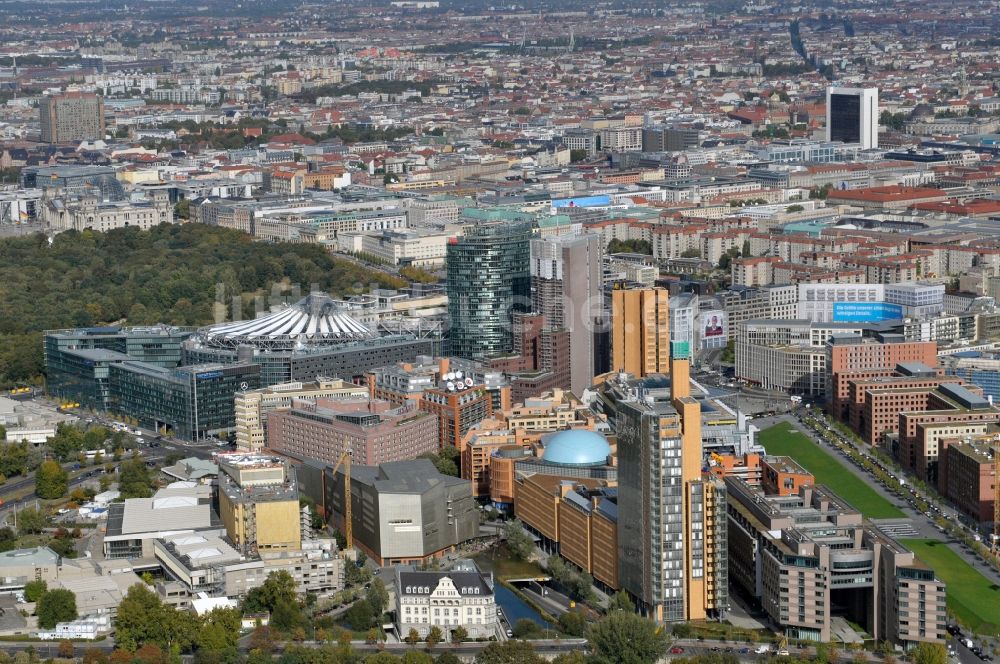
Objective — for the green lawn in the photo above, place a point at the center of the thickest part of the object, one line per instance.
(499, 561)
(783, 440)
(971, 597)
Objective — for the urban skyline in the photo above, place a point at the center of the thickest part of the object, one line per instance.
(599, 333)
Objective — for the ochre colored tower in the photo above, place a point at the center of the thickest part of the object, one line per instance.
(701, 499)
(640, 331)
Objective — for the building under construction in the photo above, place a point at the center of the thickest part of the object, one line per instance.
(259, 502)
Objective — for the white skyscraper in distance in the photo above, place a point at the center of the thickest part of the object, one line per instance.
(852, 116)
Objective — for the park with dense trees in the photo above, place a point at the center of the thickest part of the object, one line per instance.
(169, 274)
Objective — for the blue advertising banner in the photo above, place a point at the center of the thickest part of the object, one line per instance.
(582, 201)
(865, 312)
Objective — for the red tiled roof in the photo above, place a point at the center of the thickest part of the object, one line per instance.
(953, 206)
(886, 194)
(297, 139)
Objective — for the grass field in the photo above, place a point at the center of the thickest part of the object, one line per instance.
(504, 565)
(782, 440)
(971, 597)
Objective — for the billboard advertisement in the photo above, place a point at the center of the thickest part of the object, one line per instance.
(865, 312)
(582, 201)
(713, 328)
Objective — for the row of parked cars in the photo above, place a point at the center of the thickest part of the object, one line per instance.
(978, 651)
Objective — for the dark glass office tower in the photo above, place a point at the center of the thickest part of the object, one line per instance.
(852, 116)
(488, 281)
(845, 118)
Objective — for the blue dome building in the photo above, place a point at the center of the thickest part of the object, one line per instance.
(576, 447)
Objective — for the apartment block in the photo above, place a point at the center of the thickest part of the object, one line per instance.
(917, 445)
(259, 502)
(801, 554)
(459, 393)
(968, 476)
(72, 116)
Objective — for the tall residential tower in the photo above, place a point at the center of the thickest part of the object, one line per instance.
(73, 116)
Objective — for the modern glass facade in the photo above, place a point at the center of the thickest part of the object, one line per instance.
(77, 361)
(852, 116)
(191, 402)
(82, 375)
(488, 280)
(159, 344)
(987, 379)
(845, 118)
(349, 361)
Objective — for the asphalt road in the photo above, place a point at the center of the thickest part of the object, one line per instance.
(687, 647)
(552, 601)
(29, 499)
(165, 444)
(28, 481)
(962, 654)
(155, 455)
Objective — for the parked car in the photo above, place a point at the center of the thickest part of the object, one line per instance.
(676, 650)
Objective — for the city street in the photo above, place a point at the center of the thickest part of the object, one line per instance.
(153, 456)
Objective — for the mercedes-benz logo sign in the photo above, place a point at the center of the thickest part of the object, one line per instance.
(244, 385)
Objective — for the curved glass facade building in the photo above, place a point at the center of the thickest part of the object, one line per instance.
(488, 280)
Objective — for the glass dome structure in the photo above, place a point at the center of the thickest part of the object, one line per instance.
(576, 447)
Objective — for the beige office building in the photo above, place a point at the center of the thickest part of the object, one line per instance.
(640, 331)
(253, 406)
(808, 556)
(671, 515)
(259, 502)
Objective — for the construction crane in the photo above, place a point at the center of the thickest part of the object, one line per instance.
(345, 461)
